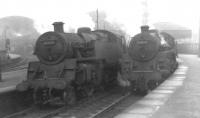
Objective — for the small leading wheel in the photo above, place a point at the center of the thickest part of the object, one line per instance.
(37, 97)
(85, 91)
(88, 90)
(69, 96)
(152, 84)
(142, 92)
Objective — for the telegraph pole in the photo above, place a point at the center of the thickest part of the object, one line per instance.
(97, 19)
(199, 36)
(145, 13)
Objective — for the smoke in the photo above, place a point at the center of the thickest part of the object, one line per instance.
(103, 23)
(21, 32)
(13, 26)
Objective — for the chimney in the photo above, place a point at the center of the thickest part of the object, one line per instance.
(144, 28)
(58, 27)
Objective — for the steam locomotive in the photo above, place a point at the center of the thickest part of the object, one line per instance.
(72, 65)
(150, 59)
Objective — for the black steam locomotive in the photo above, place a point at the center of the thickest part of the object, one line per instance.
(150, 59)
(72, 65)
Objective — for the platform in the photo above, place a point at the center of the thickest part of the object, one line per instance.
(11, 79)
(177, 97)
(185, 102)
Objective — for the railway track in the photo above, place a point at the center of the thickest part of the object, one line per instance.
(109, 106)
(34, 112)
(85, 108)
(18, 66)
(92, 108)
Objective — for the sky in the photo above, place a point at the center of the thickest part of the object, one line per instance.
(74, 13)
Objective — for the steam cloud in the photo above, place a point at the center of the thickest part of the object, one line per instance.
(104, 24)
(21, 32)
(14, 25)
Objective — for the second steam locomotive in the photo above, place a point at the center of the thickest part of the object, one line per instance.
(150, 60)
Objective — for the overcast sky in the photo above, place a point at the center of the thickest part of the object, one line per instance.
(127, 12)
